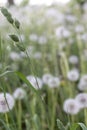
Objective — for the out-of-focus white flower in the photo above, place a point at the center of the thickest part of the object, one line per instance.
(37, 55)
(22, 54)
(84, 78)
(71, 18)
(40, 22)
(79, 28)
(59, 31)
(66, 33)
(62, 32)
(46, 77)
(82, 86)
(73, 59)
(73, 75)
(53, 82)
(42, 40)
(35, 81)
(83, 83)
(82, 100)
(33, 37)
(15, 56)
(71, 106)
(52, 12)
(84, 37)
(85, 6)
(19, 93)
(84, 16)
(6, 102)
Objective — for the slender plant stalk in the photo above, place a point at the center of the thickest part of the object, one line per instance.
(19, 115)
(85, 116)
(7, 121)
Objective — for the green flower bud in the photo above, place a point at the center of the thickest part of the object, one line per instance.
(14, 38)
(17, 23)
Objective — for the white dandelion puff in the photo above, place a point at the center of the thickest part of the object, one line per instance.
(19, 93)
(6, 102)
(82, 100)
(53, 82)
(73, 75)
(83, 83)
(73, 59)
(35, 81)
(46, 77)
(71, 106)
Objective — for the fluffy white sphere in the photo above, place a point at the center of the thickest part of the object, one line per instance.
(6, 102)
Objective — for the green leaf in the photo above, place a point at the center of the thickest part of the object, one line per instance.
(74, 126)
(60, 125)
(82, 126)
(4, 125)
(67, 126)
(6, 72)
(24, 79)
(14, 38)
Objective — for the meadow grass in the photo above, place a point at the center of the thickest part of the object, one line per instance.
(43, 67)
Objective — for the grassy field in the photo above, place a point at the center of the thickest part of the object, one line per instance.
(43, 68)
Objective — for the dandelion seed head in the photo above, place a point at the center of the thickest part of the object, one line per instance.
(71, 106)
(46, 77)
(82, 100)
(82, 85)
(73, 59)
(6, 102)
(19, 93)
(53, 82)
(35, 81)
(73, 75)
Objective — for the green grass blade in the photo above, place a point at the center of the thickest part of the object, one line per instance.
(6, 72)
(4, 125)
(24, 79)
(82, 126)
(74, 126)
(60, 125)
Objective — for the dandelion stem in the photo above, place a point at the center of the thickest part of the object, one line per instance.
(7, 121)
(85, 116)
(19, 115)
(72, 119)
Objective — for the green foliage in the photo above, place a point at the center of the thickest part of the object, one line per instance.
(41, 107)
(60, 125)
(82, 126)
(24, 79)
(72, 126)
